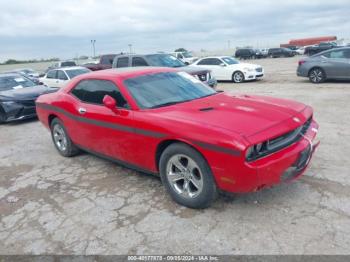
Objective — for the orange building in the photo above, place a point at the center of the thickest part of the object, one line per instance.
(309, 41)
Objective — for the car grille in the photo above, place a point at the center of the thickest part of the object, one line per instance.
(28, 103)
(283, 141)
(259, 69)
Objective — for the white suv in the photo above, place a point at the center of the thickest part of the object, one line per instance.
(185, 57)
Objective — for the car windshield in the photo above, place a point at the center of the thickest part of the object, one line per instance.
(163, 89)
(187, 54)
(68, 63)
(230, 61)
(75, 72)
(14, 82)
(164, 60)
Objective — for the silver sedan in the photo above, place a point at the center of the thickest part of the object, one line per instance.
(330, 64)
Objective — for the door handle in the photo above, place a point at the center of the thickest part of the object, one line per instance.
(82, 110)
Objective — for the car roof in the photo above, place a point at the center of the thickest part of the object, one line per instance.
(68, 68)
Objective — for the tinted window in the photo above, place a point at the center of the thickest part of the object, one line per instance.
(51, 74)
(93, 91)
(210, 61)
(162, 89)
(230, 60)
(139, 61)
(107, 60)
(164, 60)
(61, 75)
(68, 63)
(123, 62)
(339, 54)
(75, 72)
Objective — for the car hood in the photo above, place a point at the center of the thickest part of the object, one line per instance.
(26, 93)
(242, 114)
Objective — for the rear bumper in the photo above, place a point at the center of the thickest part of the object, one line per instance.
(302, 72)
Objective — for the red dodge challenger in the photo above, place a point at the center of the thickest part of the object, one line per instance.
(163, 121)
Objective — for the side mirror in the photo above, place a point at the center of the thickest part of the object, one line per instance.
(110, 103)
(222, 64)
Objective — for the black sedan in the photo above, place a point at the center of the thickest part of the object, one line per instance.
(17, 97)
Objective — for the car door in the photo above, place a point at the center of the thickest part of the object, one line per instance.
(97, 128)
(50, 78)
(215, 65)
(62, 78)
(336, 63)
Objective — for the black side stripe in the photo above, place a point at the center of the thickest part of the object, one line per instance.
(101, 123)
(224, 150)
(139, 131)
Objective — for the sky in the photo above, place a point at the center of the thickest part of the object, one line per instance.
(64, 28)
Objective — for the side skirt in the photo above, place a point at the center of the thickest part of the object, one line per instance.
(117, 161)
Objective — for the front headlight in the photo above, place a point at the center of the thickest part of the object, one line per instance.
(248, 69)
(254, 151)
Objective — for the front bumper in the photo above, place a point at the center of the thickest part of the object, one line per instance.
(288, 164)
(253, 75)
(212, 82)
(236, 175)
(18, 110)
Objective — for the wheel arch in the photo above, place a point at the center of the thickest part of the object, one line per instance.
(50, 118)
(166, 143)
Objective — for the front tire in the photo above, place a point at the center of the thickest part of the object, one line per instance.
(187, 176)
(2, 116)
(317, 75)
(238, 77)
(61, 139)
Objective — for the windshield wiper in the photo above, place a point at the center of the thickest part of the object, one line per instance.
(167, 104)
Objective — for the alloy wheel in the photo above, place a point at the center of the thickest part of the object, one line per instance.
(238, 77)
(60, 138)
(316, 75)
(184, 176)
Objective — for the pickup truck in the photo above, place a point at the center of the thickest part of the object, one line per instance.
(105, 62)
(311, 50)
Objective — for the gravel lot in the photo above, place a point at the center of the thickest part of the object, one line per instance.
(86, 205)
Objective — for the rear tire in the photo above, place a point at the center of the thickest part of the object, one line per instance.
(61, 139)
(238, 77)
(317, 75)
(187, 177)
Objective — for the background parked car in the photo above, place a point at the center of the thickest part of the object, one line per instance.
(185, 57)
(248, 53)
(164, 60)
(280, 52)
(312, 50)
(17, 96)
(228, 68)
(330, 64)
(264, 51)
(105, 62)
(60, 76)
(29, 73)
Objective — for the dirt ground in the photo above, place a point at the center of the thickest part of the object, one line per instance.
(86, 205)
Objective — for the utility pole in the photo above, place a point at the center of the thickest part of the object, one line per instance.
(93, 47)
(229, 44)
(130, 48)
